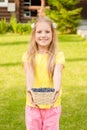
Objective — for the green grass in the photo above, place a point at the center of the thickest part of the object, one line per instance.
(12, 82)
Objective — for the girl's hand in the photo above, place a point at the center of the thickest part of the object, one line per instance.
(54, 98)
(31, 100)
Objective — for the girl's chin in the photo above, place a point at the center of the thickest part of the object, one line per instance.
(44, 43)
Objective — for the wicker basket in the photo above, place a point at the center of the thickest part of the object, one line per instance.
(42, 96)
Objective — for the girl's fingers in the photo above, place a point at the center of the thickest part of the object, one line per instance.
(54, 98)
(36, 106)
(32, 102)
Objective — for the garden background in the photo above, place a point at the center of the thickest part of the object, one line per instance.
(14, 39)
(12, 82)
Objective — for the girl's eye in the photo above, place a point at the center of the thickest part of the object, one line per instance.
(38, 31)
(47, 31)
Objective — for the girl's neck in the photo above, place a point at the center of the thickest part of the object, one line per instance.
(42, 50)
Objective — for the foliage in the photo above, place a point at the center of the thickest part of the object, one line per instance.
(3, 26)
(65, 14)
(23, 28)
(14, 26)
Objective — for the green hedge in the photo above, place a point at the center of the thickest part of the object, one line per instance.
(15, 27)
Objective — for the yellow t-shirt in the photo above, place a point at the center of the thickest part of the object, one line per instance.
(41, 78)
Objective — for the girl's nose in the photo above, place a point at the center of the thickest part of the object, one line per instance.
(43, 34)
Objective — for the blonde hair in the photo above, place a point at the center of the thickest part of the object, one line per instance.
(33, 48)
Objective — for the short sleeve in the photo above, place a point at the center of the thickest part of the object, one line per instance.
(60, 58)
(25, 57)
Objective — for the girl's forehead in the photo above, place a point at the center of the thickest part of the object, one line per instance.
(43, 24)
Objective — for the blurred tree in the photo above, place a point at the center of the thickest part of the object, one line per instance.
(65, 14)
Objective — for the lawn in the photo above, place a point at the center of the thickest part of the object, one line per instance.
(12, 82)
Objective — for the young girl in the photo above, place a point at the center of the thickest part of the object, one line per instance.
(43, 65)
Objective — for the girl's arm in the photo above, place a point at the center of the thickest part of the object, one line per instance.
(29, 76)
(29, 82)
(57, 77)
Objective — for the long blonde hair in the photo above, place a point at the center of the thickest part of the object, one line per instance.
(52, 49)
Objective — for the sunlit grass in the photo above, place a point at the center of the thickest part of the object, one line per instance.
(12, 82)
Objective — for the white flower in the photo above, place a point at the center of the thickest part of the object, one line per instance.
(32, 25)
(54, 25)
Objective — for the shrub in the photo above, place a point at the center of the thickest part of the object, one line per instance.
(65, 14)
(13, 24)
(19, 27)
(23, 28)
(3, 26)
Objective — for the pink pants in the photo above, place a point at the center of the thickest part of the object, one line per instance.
(42, 119)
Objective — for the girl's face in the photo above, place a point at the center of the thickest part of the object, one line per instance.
(43, 34)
